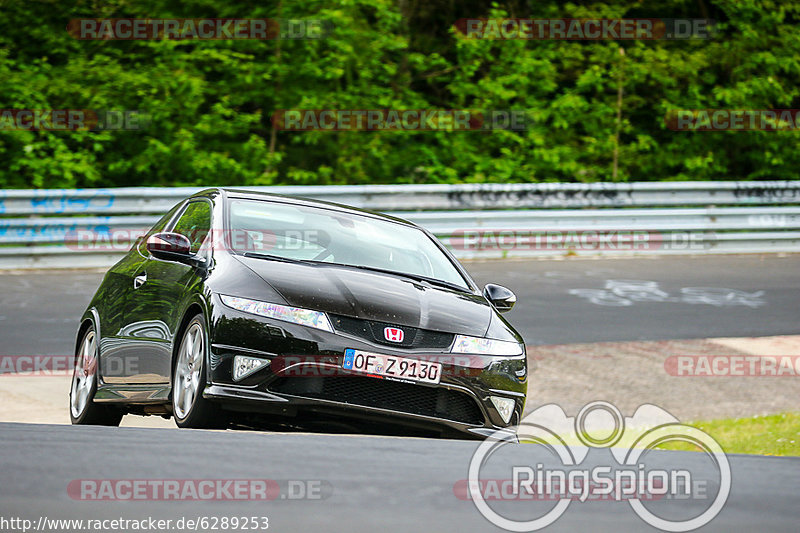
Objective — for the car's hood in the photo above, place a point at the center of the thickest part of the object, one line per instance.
(374, 296)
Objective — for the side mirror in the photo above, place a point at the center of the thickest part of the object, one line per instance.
(503, 299)
(169, 246)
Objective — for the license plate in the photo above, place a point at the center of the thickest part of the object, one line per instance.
(391, 366)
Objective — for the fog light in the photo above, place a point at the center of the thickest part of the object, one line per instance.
(243, 366)
(504, 406)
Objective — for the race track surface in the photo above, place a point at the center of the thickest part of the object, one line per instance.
(370, 483)
(558, 301)
(660, 298)
(406, 484)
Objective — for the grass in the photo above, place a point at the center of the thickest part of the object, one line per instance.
(762, 435)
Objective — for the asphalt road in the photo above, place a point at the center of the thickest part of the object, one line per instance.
(660, 298)
(368, 483)
(558, 301)
(392, 484)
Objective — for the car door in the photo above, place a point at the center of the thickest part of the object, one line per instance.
(118, 357)
(153, 308)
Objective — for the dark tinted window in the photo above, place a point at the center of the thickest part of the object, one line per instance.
(157, 227)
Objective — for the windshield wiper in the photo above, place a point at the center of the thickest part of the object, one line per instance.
(416, 277)
(271, 257)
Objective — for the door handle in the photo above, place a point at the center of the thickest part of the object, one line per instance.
(139, 280)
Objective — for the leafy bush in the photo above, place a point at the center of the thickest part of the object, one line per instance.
(210, 103)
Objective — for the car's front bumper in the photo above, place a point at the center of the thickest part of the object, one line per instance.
(305, 378)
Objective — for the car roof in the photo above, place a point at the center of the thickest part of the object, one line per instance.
(298, 200)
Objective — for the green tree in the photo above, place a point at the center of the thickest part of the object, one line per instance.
(211, 103)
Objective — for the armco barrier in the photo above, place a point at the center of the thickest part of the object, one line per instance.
(475, 220)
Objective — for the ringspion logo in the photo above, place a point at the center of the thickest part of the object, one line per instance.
(624, 475)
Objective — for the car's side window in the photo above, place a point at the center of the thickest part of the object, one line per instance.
(194, 223)
(157, 227)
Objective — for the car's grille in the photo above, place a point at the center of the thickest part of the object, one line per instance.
(370, 392)
(373, 331)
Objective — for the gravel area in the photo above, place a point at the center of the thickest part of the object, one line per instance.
(629, 374)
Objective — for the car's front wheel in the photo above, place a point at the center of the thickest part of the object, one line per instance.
(189, 407)
(82, 409)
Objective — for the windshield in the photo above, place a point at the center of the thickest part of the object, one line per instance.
(302, 233)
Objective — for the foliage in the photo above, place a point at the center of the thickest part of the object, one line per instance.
(210, 103)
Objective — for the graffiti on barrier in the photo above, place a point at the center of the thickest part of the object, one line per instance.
(513, 197)
(67, 203)
(766, 192)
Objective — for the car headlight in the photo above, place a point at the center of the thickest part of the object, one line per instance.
(305, 317)
(479, 345)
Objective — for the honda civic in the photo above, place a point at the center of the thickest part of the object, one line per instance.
(247, 309)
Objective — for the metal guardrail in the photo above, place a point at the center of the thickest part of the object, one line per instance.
(152, 200)
(42, 228)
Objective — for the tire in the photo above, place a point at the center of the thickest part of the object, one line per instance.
(189, 407)
(82, 408)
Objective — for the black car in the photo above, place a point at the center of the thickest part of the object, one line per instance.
(244, 309)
